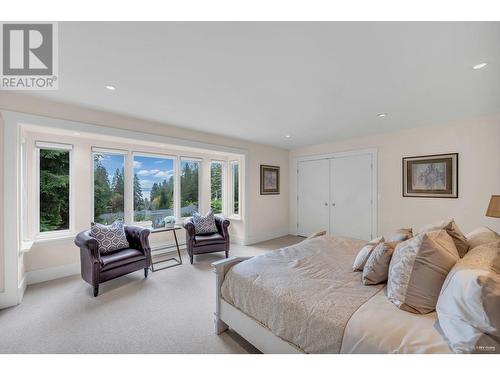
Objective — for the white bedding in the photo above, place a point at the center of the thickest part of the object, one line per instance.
(304, 294)
(380, 327)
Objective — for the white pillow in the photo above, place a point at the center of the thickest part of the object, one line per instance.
(468, 307)
(481, 236)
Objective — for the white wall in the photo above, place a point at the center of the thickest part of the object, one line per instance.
(266, 217)
(478, 143)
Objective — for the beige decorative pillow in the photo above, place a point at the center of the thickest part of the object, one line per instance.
(468, 307)
(402, 234)
(317, 234)
(418, 269)
(377, 265)
(451, 227)
(481, 236)
(364, 253)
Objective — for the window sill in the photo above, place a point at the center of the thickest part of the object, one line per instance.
(53, 239)
(26, 246)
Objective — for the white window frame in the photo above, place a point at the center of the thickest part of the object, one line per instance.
(36, 224)
(224, 186)
(231, 212)
(200, 182)
(112, 151)
(176, 177)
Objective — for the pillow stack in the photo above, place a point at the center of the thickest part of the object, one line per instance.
(364, 254)
(468, 308)
(418, 269)
(452, 229)
(377, 266)
(374, 258)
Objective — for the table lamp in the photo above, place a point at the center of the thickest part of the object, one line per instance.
(494, 207)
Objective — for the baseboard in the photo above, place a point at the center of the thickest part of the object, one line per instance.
(237, 240)
(52, 273)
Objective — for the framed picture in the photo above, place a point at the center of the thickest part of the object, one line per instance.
(431, 176)
(269, 180)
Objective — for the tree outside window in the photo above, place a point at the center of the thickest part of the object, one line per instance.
(236, 187)
(153, 187)
(108, 187)
(54, 190)
(189, 174)
(216, 177)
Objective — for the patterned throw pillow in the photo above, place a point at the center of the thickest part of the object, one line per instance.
(364, 254)
(204, 224)
(377, 266)
(109, 237)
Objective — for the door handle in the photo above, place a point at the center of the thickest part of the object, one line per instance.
(333, 204)
(326, 203)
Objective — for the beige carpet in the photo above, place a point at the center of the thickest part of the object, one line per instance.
(169, 312)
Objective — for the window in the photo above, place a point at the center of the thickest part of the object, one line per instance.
(216, 183)
(189, 174)
(54, 187)
(153, 187)
(235, 206)
(108, 186)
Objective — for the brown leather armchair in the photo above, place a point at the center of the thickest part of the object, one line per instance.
(97, 268)
(207, 243)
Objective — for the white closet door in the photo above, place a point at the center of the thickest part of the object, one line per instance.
(351, 196)
(313, 194)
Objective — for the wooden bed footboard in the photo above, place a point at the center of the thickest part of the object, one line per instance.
(226, 315)
(220, 268)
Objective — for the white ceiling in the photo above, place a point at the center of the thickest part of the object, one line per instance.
(318, 82)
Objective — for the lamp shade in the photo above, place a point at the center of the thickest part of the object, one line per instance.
(494, 207)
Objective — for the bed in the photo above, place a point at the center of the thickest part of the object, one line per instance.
(306, 299)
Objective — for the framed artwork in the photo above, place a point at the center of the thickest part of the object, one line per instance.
(431, 176)
(269, 180)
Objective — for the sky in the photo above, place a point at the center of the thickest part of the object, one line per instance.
(150, 170)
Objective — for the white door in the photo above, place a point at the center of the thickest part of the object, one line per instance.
(313, 194)
(351, 196)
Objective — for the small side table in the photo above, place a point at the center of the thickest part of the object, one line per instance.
(159, 258)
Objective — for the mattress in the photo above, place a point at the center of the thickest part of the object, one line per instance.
(304, 294)
(378, 326)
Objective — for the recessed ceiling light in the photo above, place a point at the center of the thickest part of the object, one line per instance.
(76, 133)
(288, 136)
(382, 114)
(479, 66)
(110, 87)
